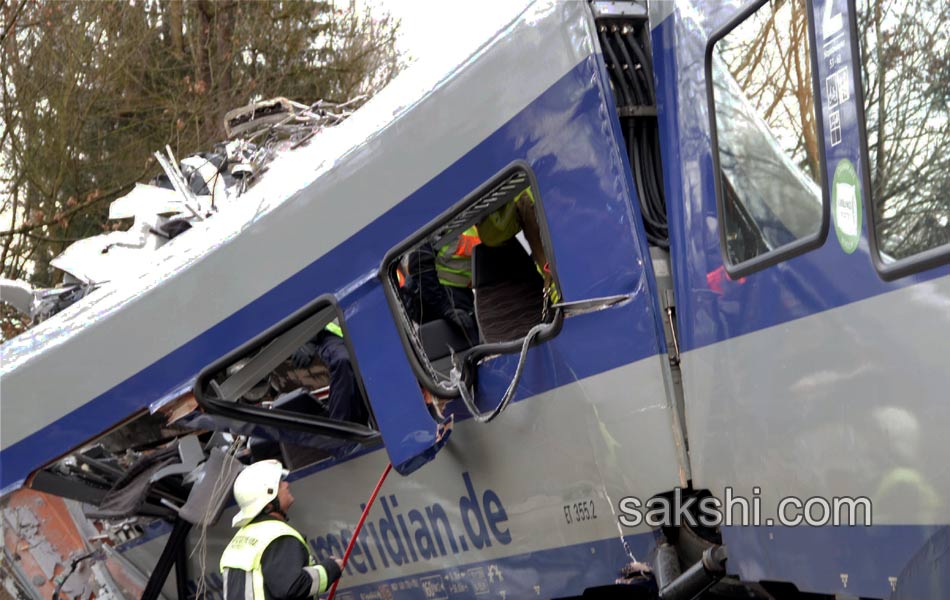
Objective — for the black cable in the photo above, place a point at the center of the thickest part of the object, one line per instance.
(618, 93)
(651, 216)
(645, 65)
(637, 86)
(637, 177)
(656, 185)
(652, 204)
(72, 567)
(619, 82)
(656, 195)
(652, 141)
(657, 159)
(653, 228)
(181, 574)
(629, 68)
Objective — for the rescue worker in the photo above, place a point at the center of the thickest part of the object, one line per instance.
(443, 282)
(268, 559)
(453, 267)
(505, 223)
(346, 403)
(453, 261)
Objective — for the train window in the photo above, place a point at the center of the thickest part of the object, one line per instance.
(475, 282)
(300, 375)
(765, 135)
(904, 78)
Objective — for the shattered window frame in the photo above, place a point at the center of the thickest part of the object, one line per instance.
(444, 225)
(276, 417)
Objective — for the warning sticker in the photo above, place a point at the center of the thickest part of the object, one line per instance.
(844, 87)
(839, 90)
(834, 119)
(846, 205)
(832, 83)
(837, 84)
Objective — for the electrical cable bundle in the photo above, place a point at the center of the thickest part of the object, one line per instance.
(631, 72)
(220, 493)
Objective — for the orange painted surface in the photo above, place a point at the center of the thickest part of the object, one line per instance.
(56, 526)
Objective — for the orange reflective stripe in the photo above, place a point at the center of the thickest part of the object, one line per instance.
(400, 277)
(467, 241)
(466, 245)
(454, 267)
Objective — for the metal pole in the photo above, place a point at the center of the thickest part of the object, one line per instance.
(359, 526)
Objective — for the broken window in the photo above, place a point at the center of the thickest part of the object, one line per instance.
(474, 283)
(301, 374)
(317, 378)
(272, 398)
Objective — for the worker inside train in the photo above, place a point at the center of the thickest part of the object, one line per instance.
(328, 348)
(512, 294)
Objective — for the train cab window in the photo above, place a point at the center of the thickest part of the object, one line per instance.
(767, 146)
(476, 281)
(318, 378)
(298, 383)
(904, 79)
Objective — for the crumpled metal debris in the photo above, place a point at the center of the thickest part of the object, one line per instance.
(188, 191)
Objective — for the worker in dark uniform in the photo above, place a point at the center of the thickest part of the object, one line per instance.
(453, 266)
(346, 404)
(443, 281)
(268, 559)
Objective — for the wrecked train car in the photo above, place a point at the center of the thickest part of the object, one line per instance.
(685, 312)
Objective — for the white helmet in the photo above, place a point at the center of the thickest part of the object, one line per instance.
(255, 487)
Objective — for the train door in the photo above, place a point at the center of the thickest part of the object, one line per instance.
(551, 337)
(808, 280)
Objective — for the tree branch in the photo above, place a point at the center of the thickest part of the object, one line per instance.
(78, 208)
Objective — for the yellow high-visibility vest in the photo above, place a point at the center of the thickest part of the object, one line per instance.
(454, 264)
(245, 550)
(503, 224)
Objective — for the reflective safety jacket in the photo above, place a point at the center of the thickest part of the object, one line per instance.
(334, 329)
(244, 554)
(454, 264)
(400, 277)
(505, 223)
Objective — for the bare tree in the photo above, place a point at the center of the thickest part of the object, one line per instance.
(90, 89)
(769, 56)
(905, 68)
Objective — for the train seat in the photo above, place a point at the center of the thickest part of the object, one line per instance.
(509, 291)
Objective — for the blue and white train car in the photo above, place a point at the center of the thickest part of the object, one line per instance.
(736, 314)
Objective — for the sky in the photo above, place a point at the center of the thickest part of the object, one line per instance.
(427, 26)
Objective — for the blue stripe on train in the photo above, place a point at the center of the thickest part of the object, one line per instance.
(567, 570)
(578, 101)
(818, 281)
(919, 556)
(860, 561)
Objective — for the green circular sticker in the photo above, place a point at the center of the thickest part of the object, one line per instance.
(846, 205)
